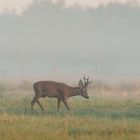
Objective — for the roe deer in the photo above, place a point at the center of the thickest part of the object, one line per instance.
(58, 90)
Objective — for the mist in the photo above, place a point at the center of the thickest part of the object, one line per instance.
(52, 41)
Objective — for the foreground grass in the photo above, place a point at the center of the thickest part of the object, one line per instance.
(93, 119)
(69, 127)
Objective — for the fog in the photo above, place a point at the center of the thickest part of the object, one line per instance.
(53, 41)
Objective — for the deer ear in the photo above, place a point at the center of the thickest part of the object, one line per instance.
(81, 85)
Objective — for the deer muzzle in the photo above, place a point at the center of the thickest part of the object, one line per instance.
(87, 97)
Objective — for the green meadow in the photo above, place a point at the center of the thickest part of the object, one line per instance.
(111, 113)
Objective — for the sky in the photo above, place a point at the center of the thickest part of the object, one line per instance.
(18, 6)
(63, 40)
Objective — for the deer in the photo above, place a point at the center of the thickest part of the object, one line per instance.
(58, 90)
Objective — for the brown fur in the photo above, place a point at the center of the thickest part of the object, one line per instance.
(57, 90)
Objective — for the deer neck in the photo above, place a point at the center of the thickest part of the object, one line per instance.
(75, 91)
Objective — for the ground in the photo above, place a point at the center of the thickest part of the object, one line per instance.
(100, 117)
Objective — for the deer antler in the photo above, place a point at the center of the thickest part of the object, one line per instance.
(86, 80)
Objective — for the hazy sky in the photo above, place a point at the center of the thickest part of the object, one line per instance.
(18, 6)
(53, 41)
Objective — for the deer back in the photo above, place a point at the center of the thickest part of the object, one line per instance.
(52, 89)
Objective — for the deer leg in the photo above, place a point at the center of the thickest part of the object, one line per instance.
(41, 106)
(32, 103)
(66, 104)
(58, 104)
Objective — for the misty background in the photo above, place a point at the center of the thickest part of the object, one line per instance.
(49, 41)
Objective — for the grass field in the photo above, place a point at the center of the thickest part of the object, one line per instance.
(111, 113)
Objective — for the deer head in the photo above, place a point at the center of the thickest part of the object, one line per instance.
(83, 87)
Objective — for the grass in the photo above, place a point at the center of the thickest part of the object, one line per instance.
(99, 118)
